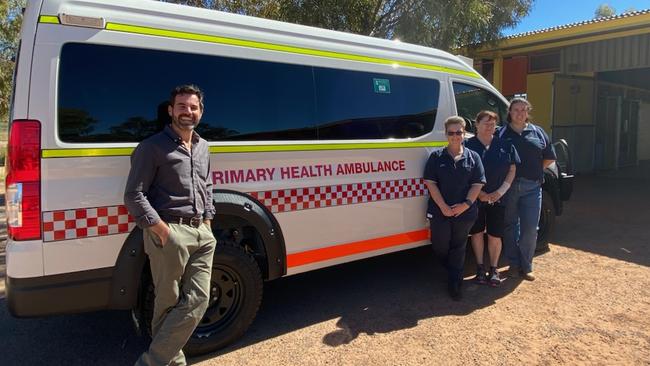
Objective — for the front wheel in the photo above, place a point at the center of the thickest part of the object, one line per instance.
(546, 222)
(235, 297)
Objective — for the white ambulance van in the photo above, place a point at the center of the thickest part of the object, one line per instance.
(318, 141)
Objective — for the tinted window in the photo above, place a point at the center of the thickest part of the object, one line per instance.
(472, 99)
(356, 105)
(118, 94)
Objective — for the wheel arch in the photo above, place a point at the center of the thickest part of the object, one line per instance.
(126, 281)
(127, 273)
(230, 203)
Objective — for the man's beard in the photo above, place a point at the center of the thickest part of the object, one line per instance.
(185, 125)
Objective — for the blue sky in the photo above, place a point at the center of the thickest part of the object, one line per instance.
(551, 13)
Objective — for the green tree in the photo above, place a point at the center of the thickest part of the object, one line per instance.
(10, 21)
(604, 11)
(376, 18)
(445, 24)
(450, 24)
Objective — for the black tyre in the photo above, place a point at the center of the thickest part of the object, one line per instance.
(546, 222)
(236, 295)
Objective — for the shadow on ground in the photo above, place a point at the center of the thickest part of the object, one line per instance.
(609, 214)
(101, 338)
(378, 295)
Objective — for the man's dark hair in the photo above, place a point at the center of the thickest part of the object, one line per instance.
(186, 89)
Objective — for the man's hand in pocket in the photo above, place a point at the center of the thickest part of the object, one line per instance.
(162, 230)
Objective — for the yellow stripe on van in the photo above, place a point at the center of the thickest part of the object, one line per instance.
(269, 46)
(278, 47)
(318, 147)
(81, 153)
(49, 19)
(126, 151)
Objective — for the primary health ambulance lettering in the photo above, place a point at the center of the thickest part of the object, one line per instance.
(309, 171)
(242, 175)
(232, 176)
(370, 167)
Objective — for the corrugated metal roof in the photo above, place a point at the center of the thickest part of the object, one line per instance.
(577, 24)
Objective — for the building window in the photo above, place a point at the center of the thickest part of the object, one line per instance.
(485, 67)
(544, 62)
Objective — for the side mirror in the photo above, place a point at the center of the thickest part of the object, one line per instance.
(565, 168)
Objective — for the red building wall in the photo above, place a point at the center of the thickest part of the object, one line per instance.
(515, 70)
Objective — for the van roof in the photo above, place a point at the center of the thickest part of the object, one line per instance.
(178, 21)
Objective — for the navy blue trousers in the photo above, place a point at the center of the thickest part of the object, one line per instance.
(449, 240)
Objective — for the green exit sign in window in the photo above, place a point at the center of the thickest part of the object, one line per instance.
(381, 85)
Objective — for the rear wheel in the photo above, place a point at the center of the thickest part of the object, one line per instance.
(546, 222)
(235, 296)
(236, 289)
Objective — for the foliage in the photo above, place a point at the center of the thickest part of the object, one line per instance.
(604, 11)
(10, 21)
(449, 24)
(444, 24)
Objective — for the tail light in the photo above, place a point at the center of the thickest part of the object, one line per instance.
(23, 190)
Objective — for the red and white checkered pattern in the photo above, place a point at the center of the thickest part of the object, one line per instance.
(100, 221)
(345, 194)
(86, 222)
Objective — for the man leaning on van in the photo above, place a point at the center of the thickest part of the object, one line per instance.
(169, 193)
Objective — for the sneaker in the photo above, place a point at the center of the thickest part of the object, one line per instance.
(529, 276)
(481, 275)
(495, 279)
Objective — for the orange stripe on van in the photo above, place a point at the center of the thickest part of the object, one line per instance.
(363, 246)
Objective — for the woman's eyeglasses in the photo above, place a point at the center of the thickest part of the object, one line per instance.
(456, 133)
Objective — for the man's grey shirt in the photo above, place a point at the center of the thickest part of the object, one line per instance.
(166, 179)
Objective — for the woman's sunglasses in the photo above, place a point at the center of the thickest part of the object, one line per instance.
(457, 133)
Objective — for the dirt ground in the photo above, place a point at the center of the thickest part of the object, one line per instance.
(589, 305)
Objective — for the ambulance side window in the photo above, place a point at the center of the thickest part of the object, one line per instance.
(120, 94)
(364, 105)
(472, 99)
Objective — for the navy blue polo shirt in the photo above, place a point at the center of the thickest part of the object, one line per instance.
(533, 146)
(454, 179)
(496, 160)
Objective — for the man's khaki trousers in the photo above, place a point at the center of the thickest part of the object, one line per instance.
(181, 272)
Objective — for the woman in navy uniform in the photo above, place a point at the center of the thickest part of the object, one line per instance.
(454, 177)
(524, 201)
(499, 158)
